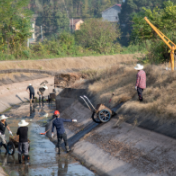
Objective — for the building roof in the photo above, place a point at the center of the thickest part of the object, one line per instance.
(74, 21)
(119, 5)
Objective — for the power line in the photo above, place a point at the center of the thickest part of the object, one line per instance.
(64, 17)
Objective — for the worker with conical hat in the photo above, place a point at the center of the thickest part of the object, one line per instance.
(23, 141)
(3, 125)
(140, 81)
(31, 92)
(61, 134)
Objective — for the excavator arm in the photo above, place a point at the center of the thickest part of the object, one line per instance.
(167, 41)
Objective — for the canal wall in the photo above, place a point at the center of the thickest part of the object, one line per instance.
(126, 150)
(2, 173)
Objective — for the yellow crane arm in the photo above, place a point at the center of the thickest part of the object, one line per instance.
(166, 40)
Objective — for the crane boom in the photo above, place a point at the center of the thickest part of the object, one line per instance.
(166, 40)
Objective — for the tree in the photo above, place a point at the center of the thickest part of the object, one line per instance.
(130, 7)
(163, 19)
(75, 8)
(97, 35)
(15, 25)
(62, 22)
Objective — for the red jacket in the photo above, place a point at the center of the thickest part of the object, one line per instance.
(141, 79)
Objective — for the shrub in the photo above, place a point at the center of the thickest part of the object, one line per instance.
(98, 35)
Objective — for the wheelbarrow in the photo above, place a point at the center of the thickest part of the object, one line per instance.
(13, 143)
(101, 114)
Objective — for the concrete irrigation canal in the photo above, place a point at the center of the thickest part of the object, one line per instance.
(43, 158)
(115, 148)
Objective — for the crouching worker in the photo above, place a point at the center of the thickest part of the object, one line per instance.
(61, 134)
(3, 125)
(23, 141)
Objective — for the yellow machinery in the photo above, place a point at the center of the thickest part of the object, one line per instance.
(168, 42)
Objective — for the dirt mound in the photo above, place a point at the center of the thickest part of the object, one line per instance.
(65, 80)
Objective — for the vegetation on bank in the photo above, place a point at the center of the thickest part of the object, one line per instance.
(96, 37)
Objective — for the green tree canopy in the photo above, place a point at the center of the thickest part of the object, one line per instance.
(15, 24)
(130, 7)
(163, 19)
(75, 8)
(98, 35)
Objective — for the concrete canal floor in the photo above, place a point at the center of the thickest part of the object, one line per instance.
(44, 161)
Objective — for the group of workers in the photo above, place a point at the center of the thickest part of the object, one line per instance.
(40, 92)
(57, 122)
(23, 137)
(22, 131)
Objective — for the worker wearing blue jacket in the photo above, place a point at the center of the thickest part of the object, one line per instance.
(61, 134)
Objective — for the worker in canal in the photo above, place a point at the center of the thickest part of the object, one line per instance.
(23, 145)
(61, 134)
(31, 92)
(140, 81)
(3, 125)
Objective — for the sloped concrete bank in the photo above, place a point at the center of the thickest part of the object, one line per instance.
(124, 151)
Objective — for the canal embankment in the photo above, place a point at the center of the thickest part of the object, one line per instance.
(122, 150)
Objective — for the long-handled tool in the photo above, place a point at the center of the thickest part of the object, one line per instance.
(45, 132)
(111, 97)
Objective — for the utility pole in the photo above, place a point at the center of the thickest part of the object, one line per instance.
(41, 33)
(67, 14)
(28, 43)
(72, 26)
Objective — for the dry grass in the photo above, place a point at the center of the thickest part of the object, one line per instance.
(70, 63)
(159, 97)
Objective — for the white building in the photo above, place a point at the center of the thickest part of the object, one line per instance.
(111, 14)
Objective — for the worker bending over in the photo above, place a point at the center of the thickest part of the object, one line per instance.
(31, 92)
(61, 134)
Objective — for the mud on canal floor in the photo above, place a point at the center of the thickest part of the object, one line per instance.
(44, 161)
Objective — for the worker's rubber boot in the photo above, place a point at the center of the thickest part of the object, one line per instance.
(19, 158)
(0, 146)
(26, 160)
(67, 149)
(58, 151)
(141, 99)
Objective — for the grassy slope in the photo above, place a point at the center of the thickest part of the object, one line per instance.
(159, 97)
(69, 63)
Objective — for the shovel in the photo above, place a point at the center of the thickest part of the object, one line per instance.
(111, 98)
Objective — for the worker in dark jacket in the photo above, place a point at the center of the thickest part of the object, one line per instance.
(3, 125)
(61, 134)
(31, 92)
(23, 141)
